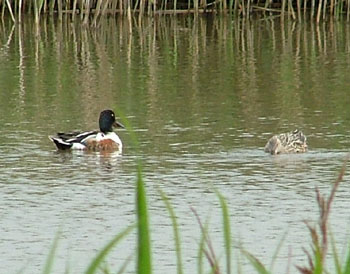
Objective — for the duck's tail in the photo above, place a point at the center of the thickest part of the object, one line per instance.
(60, 144)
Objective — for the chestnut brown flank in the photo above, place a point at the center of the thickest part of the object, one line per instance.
(102, 145)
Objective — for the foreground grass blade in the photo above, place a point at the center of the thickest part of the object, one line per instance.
(176, 231)
(125, 264)
(50, 258)
(202, 247)
(209, 253)
(279, 246)
(144, 265)
(347, 263)
(144, 247)
(227, 230)
(259, 267)
(201, 253)
(335, 256)
(103, 253)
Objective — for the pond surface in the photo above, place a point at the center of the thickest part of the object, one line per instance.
(203, 96)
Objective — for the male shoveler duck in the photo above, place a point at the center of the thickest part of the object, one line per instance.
(103, 140)
(291, 142)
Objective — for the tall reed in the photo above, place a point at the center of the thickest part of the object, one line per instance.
(92, 10)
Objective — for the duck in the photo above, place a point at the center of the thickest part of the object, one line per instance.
(103, 140)
(291, 142)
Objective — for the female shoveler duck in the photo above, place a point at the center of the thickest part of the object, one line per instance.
(291, 142)
(103, 140)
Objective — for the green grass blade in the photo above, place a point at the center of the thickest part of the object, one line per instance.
(40, 6)
(200, 254)
(104, 269)
(50, 258)
(103, 253)
(144, 247)
(279, 246)
(144, 265)
(318, 261)
(239, 261)
(227, 230)
(176, 231)
(335, 256)
(259, 267)
(125, 264)
(201, 247)
(347, 263)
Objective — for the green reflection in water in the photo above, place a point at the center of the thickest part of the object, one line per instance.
(206, 81)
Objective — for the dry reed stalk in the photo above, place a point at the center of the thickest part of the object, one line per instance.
(348, 11)
(10, 10)
(36, 11)
(60, 9)
(87, 12)
(242, 9)
(195, 5)
(3, 12)
(312, 9)
(136, 5)
(97, 11)
(266, 9)
(335, 9)
(142, 8)
(235, 7)
(298, 10)
(104, 8)
(121, 6)
(230, 6)
(150, 3)
(319, 11)
(291, 10)
(51, 7)
(20, 11)
(224, 5)
(114, 6)
(331, 8)
(204, 4)
(45, 7)
(248, 9)
(74, 9)
(283, 9)
(324, 9)
(129, 17)
(82, 9)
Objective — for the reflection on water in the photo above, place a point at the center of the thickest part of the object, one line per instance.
(203, 95)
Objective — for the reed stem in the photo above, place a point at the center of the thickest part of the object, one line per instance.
(95, 9)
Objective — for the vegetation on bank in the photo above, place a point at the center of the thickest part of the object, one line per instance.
(86, 9)
(320, 241)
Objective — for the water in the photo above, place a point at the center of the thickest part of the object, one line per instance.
(203, 96)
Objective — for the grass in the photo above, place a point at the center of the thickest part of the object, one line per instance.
(319, 234)
(143, 245)
(176, 231)
(99, 259)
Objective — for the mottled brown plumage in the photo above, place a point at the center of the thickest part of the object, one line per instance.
(291, 142)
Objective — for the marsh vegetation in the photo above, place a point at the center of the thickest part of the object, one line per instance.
(90, 10)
